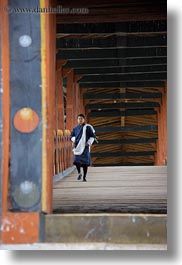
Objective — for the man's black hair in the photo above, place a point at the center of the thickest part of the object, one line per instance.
(81, 115)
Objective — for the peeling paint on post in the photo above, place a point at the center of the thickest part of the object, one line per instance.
(18, 228)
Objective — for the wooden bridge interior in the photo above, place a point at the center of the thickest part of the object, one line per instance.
(120, 65)
(109, 63)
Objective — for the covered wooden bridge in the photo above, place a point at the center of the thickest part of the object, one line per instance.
(107, 60)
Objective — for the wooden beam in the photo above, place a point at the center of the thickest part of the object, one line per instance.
(142, 95)
(77, 77)
(120, 154)
(118, 113)
(129, 141)
(107, 11)
(131, 84)
(111, 28)
(115, 62)
(60, 63)
(111, 16)
(162, 76)
(121, 164)
(112, 53)
(111, 42)
(65, 71)
(108, 3)
(126, 128)
(134, 105)
(121, 70)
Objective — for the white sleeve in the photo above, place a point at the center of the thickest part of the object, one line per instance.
(73, 139)
(90, 140)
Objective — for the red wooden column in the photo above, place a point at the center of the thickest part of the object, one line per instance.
(50, 60)
(60, 95)
(78, 101)
(59, 128)
(70, 101)
(4, 24)
(79, 97)
(33, 124)
(82, 108)
(161, 155)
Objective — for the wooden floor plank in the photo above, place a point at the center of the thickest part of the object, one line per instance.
(113, 189)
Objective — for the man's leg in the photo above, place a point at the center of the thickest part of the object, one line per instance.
(85, 167)
(79, 172)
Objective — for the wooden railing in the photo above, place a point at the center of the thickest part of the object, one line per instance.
(63, 154)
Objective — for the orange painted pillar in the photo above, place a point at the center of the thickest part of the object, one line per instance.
(82, 108)
(161, 155)
(70, 101)
(60, 95)
(50, 61)
(5, 110)
(27, 225)
(77, 100)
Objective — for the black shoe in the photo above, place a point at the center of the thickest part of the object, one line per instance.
(79, 176)
(84, 179)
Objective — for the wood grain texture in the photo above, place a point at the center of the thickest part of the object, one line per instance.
(114, 189)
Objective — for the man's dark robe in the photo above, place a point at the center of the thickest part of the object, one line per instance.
(84, 158)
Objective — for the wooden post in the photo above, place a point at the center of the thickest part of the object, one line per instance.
(28, 120)
(82, 108)
(161, 155)
(70, 101)
(1, 124)
(77, 97)
(4, 113)
(59, 119)
(60, 99)
(49, 30)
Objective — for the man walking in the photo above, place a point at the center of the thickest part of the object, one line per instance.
(82, 137)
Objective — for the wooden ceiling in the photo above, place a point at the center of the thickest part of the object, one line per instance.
(119, 50)
(113, 11)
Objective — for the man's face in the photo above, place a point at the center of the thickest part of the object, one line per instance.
(80, 120)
